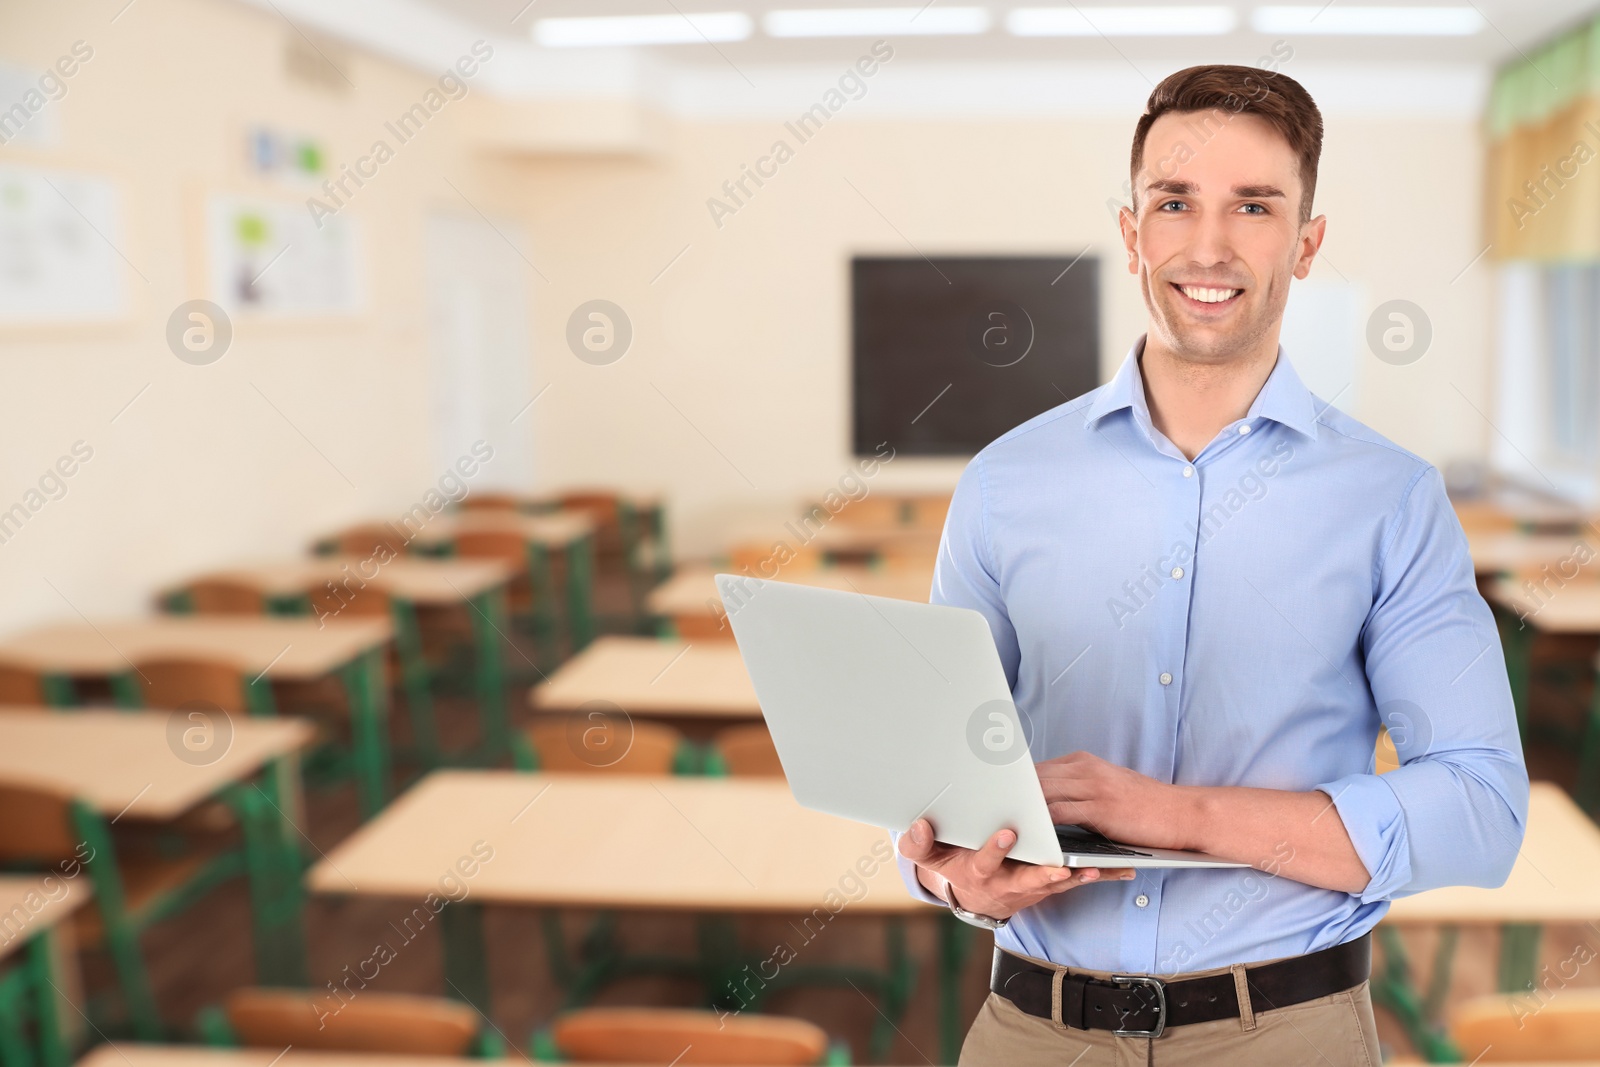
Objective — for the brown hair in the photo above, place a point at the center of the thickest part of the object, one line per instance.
(1277, 98)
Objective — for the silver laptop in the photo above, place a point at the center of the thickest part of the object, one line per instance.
(885, 711)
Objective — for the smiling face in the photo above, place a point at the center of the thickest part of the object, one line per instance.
(1216, 234)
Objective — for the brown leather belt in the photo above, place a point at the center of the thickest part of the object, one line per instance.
(1138, 1005)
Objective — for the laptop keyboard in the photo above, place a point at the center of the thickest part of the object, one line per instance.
(1076, 839)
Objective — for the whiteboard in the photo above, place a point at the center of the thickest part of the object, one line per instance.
(269, 258)
(60, 234)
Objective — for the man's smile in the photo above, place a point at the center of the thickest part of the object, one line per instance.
(1206, 300)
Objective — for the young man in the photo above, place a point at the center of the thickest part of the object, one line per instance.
(1208, 589)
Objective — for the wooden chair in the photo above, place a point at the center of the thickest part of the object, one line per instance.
(1483, 516)
(508, 546)
(758, 558)
(40, 830)
(748, 751)
(367, 1022)
(176, 681)
(701, 626)
(21, 687)
(366, 540)
(490, 502)
(407, 660)
(566, 743)
(1563, 1025)
(219, 596)
(671, 1035)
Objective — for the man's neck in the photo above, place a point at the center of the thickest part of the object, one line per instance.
(1190, 402)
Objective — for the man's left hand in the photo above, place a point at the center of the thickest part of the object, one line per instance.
(1084, 790)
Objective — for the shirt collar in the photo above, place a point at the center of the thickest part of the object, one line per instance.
(1283, 398)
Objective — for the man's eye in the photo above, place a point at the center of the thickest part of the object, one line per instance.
(1179, 204)
(1254, 209)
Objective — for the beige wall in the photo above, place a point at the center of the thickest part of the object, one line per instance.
(746, 335)
(201, 469)
(748, 332)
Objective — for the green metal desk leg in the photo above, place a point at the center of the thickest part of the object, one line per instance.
(545, 621)
(368, 693)
(955, 945)
(1519, 956)
(1588, 792)
(658, 537)
(1394, 989)
(628, 520)
(14, 996)
(1516, 638)
(53, 1044)
(896, 989)
(580, 591)
(121, 938)
(489, 623)
(59, 692)
(272, 862)
(414, 677)
(466, 957)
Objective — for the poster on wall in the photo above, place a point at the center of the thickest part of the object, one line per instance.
(59, 237)
(269, 258)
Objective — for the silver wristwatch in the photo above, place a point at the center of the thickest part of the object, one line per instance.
(971, 918)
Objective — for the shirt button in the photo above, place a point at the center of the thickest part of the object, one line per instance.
(1245, 428)
(1166, 679)
(1188, 472)
(1142, 901)
(1177, 572)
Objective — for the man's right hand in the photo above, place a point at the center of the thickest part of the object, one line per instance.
(985, 881)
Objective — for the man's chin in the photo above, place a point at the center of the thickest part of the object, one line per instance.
(1204, 345)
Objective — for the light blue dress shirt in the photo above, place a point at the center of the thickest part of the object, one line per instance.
(1247, 619)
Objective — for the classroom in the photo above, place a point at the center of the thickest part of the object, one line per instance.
(448, 439)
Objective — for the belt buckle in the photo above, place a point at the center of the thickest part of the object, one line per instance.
(1128, 980)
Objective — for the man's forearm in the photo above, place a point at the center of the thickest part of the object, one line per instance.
(1297, 835)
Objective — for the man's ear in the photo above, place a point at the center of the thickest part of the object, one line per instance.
(1130, 237)
(1311, 235)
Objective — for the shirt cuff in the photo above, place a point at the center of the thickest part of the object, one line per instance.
(908, 874)
(1376, 823)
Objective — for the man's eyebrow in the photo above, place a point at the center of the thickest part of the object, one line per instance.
(1174, 187)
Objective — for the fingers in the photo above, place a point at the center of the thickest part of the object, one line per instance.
(987, 860)
(1090, 875)
(916, 844)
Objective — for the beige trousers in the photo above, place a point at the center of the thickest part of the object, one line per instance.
(1333, 1031)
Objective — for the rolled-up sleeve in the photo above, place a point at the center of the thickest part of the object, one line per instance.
(964, 576)
(1453, 813)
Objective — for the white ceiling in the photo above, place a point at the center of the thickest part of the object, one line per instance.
(1512, 25)
(990, 74)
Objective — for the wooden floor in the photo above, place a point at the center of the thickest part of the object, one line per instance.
(204, 953)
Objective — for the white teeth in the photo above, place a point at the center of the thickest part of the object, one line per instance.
(1209, 296)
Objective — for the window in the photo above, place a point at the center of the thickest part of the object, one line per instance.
(1572, 352)
(1547, 396)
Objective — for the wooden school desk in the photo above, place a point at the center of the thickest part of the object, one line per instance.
(690, 602)
(565, 533)
(123, 765)
(46, 986)
(274, 649)
(713, 846)
(1555, 880)
(1499, 552)
(696, 687)
(409, 582)
(642, 527)
(919, 510)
